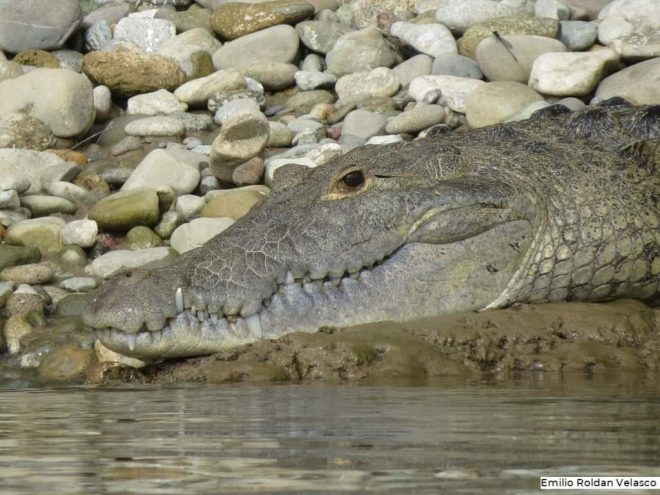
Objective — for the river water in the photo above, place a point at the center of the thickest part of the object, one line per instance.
(454, 437)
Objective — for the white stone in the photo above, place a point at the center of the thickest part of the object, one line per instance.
(197, 232)
(570, 74)
(182, 47)
(78, 284)
(33, 166)
(234, 108)
(121, 260)
(458, 15)
(377, 82)
(198, 91)
(622, 21)
(160, 102)
(155, 126)
(80, 233)
(189, 205)
(639, 84)
(432, 39)
(9, 199)
(102, 103)
(552, 8)
(454, 90)
(173, 167)
(311, 80)
(145, 33)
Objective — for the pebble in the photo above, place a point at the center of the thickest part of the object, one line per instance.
(304, 101)
(66, 363)
(273, 44)
(126, 209)
(280, 135)
(434, 40)
(272, 75)
(160, 102)
(456, 65)
(42, 205)
(98, 35)
(578, 35)
(122, 260)
(35, 273)
(142, 237)
(41, 233)
(231, 203)
(15, 328)
(129, 143)
(9, 199)
(571, 73)
(249, 173)
(145, 33)
(20, 130)
(362, 124)
(234, 108)
(416, 119)
(495, 102)
(78, 284)
(168, 222)
(459, 15)
(637, 83)
(377, 82)
(155, 126)
(80, 233)
(198, 91)
(320, 36)
(311, 80)
(68, 191)
(552, 8)
(33, 166)
(183, 47)
(197, 232)
(188, 206)
(102, 103)
(194, 122)
(359, 51)
(454, 90)
(631, 28)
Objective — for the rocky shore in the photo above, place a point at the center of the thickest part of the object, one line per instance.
(134, 131)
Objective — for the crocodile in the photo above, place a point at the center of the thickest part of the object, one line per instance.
(563, 206)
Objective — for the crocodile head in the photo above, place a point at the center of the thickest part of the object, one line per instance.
(393, 232)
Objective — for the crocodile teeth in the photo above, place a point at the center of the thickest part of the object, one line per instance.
(253, 324)
(178, 300)
(130, 339)
(289, 278)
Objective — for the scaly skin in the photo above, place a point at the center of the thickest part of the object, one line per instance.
(559, 207)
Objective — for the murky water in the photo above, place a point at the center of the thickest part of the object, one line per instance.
(448, 438)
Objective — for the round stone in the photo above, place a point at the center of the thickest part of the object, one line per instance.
(454, 90)
(249, 173)
(122, 260)
(304, 101)
(377, 82)
(272, 75)
(155, 126)
(142, 237)
(416, 119)
(197, 232)
(231, 203)
(78, 284)
(41, 233)
(189, 206)
(173, 167)
(33, 274)
(459, 15)
(359, 51)
(198, 91)
(80, 233)
(360, 125)
(578, 35)
(160, 102)
(638, 84)
(311, 80)
(495, 102)
(274, 44)
(42, 205)
(146, 33)
(126, 209)
(432, 39)
(37, 58)
(456, 65)
(183, 48)
(320, 36)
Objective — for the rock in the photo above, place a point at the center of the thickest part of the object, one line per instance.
(197, 232)
(129, 143)
(69, 59)
(235, 19)
(188, 206)
(231, 203)
(145, 33)
(9, 199)
(160, 102)
(304, 101)
(507, 26)
(312, 62)
(6, 290)
(142, 237)
(362, 124)
(513, 62)
(456, 65)
(377, 82)
(280, 135)
(454, 90)
(272, 75)
(193, 122)
(274, 44)
(416, 119)
(459, 15)
(23, 301)
(570, 74)
(527, 112)
(639, 84)
(368, 13)
(187, 20)
(37, 58)
(13, 182)
(80, 233)
(15, 329)
(359, 51)
(630, 27)
(234, 108)
(98, 35)
(307, 156)
(126, 209)
(128, 73)
(155, 126)
(552, 8)
(182, 48)
(78, 284)
(222, 97)
(111, 13)
(121, 261)
(38, 24)
(167, 224)
(43, 205)
(102, 103)
(65, 364)
(311, 80)
(33, 274)
(60, 98)
(320, 36)
(240, 139)
(71, 305)
(39, 168)
(68, 191)
(19, 130)
(419, 65)
(198, 91)
(105, 355)
(41, 233)
(495, 102)
(249, 173)
(578, 35)
(176, 168)
(18, 255)
(10, 70)
(432, 39)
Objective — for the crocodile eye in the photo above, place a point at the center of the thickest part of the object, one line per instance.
(353, 179)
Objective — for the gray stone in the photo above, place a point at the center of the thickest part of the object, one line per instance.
(67, 190)
(60, 98)
(167, 224)
(272, 75)
(274, 44)
(110, 13)
(17, 255)
(102, 103)
(416, 119)
(121, 261)
(240, 138)
(33, 166)
(419, 65)
(459, 15)
(377, 82)
(78, 284)
(155, 126)
(454, 90)
(19, 130)
(197, 232)
(41, 233)
(10, 70)
(98, 35)
(189, 206)
(9, 199)
(578, 35)
(639, 84)
(80, 233)
(185, 20)
(631, 27)
(160, 102)
(553, 9)
(312, 63)
(432, 39)
(145, 33)
(37, 24)
(33, 274)
(456, 65)
(194, 122)
(182, 47)
(513, 62)
(129, 143)
(249, 173)
(309, 80)
(320, 36)
(198, 91)
(497, 101)
(176, 168)
(13, 181)
(69, 59)
(304, 101)
(222, 97)
(280, 135)
(234, 108)
(362, 124)
(359, 51)
(42, 205)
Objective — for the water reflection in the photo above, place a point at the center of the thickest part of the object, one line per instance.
(327, 439)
